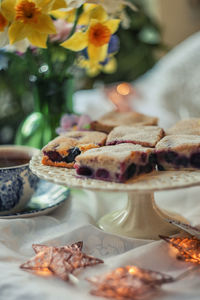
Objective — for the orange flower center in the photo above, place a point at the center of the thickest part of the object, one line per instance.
(3, 22)
(26, 11)
(99, 35)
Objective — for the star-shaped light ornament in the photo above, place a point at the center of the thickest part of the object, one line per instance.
(59, 261)
(188, 248)
(128, 282)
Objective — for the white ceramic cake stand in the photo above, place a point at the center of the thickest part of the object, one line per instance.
(141, 218)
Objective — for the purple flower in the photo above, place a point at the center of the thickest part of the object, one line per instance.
(84, 122)
(67, 121)
(73, 122)
(63, 30)
(113, 45)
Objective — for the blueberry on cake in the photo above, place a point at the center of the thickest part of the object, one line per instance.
(188, 126)
(147, 136)
(115, 163)
(61, 151)
(178, 152)
(113, 119)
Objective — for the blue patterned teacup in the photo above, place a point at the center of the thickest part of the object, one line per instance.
(17, 182)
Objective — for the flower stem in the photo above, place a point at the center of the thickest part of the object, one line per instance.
(78, 13)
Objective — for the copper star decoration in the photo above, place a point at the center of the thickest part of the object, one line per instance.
(59, 261)
(188, 248)
(76, 246)
(128, 282)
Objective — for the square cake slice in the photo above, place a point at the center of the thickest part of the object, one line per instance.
(178, 152)
(147, 136)
(61, 151)
(115, 163)
(113, 119)
(187, 126)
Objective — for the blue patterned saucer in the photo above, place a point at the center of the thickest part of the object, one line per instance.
(47, 197)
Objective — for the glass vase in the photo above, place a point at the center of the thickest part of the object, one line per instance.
(52, 98)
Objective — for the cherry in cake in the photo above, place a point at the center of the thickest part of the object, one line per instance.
(147, 136)
(62, 151)
(178, 152)
(115, 163)
(113, 119)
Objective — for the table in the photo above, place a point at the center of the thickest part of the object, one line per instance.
(75, 221)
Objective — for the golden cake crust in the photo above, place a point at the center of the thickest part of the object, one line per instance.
(147, 136)
(179, 143)
(83, 139)
(116, 153)
(187, 126)
(113, 119)
(115, 163)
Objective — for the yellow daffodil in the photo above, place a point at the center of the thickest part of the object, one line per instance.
(95, 39)
(113, 6)
(59, 4)
(90, 11)
(29, 19)
(93, 69)
(3, 22)
(68, 10)
(3, 30)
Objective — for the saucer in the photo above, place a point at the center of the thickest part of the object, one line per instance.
(46, 198)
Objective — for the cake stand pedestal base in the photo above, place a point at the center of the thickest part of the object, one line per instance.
(141, 218)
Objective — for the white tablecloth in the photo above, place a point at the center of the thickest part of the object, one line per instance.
(75, 221)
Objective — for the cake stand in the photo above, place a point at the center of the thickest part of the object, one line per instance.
(141, 218)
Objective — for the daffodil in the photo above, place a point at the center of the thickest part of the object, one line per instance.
(109, 65)
(93, 69)
(115, 9)
(29, 19)
(113, 6)
(59, 4)
(68, 10)
(96, 39)
(90, 11)
(3, 30)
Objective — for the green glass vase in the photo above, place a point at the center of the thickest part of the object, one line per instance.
(52, 98)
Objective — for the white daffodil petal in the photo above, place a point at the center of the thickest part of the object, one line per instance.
(20, 46)
(4, 39)
(73, 4)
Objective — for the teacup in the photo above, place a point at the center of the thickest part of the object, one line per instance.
(17, 182)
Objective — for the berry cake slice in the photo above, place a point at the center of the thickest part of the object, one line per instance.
(187, 126)
(115, 163)
(147, 136)
(113, 119)
(178, 152)
(61, 151)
